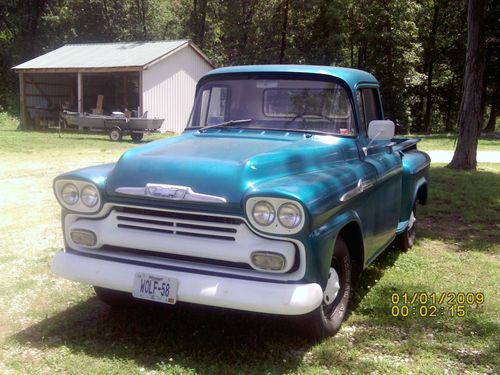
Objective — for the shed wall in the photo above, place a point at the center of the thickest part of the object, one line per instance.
(169, 88)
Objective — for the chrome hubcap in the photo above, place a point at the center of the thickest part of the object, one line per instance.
(332, 287)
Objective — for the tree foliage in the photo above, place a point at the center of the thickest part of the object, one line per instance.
(416, 48)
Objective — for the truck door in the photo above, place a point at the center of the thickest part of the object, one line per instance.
(385, 193)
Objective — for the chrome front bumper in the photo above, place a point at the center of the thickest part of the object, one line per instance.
(235, 293)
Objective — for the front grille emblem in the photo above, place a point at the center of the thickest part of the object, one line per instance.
(171, 192)
(166, 191)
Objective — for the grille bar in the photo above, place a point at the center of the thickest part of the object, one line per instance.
(178, 223)
(179, 216)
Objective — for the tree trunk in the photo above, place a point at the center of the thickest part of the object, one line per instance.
(492, 120)
(198, 20)
(448, 124)
(430, 68)
(428, 99)
(141, 12)
(203, 21)
(471, 113)
(284, 29)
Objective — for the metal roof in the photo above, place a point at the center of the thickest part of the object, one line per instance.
(106, 56)
(351, 76)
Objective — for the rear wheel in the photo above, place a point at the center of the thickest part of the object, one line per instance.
(113, 298)
(137, 137)
(328, 317)
(115, 134)
(406, 239)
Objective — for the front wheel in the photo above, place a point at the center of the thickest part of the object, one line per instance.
(137, 137)
(328, 317)
(115, 134)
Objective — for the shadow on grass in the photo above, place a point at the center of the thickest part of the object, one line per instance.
(462, 208)
(204, 338)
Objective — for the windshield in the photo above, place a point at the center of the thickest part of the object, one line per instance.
(286, 104)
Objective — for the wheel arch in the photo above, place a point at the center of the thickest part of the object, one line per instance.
(421, 190)
(353, 237)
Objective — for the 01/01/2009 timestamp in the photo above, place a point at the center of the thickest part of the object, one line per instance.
(428, 305)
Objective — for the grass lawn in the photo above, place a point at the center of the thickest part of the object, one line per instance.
(448, 142)
(49, 325)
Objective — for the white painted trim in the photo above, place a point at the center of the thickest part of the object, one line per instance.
(177, 49)
(163, 57)
(296, 275)
(245, 242)
(248, 295)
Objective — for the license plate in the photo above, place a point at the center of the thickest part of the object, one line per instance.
(155, 288)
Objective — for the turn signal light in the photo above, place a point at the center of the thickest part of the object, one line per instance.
(268, 261)
(83, 237)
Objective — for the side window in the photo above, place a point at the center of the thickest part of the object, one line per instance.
(369, 107)
(213, 106)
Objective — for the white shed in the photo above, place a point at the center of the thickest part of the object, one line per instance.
(155, 79)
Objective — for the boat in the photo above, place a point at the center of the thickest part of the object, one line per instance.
(116, 125)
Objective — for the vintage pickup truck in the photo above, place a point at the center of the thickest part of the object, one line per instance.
(286, 183)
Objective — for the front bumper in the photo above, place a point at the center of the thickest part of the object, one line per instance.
(248, 295)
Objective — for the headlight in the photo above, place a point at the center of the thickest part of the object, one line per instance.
(275, 215)
(78, 196)
(263, 213)
(289, 215)
(70, 194)
(90, 197)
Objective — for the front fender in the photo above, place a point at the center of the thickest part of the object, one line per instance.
(96, 174)
(322, 241)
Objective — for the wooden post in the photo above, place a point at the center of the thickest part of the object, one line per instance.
(141, 92)
(80, 93)
(125, 101)
(22, 101)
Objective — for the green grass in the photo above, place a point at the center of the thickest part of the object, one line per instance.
(448, 142)
(49, 325)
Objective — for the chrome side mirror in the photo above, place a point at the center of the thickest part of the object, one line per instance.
(381, 130)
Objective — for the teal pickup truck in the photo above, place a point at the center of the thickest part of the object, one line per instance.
(285, 184)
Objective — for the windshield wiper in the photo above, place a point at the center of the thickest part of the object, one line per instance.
(225, 123)
(299, 115)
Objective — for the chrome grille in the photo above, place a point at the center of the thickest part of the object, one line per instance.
(181, 224)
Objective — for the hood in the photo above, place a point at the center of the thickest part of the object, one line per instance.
(225, 163)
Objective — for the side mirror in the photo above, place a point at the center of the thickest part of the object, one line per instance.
(381, 130)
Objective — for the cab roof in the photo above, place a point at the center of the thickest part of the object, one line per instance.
(352, 77)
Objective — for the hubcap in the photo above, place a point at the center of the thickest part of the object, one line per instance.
(332, 287)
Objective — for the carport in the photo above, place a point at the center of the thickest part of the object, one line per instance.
(146, 79)
(44, 92)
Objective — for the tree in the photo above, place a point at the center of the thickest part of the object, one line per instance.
(491, 70)
(471, 107)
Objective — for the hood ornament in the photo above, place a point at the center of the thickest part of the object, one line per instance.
(170, 192)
